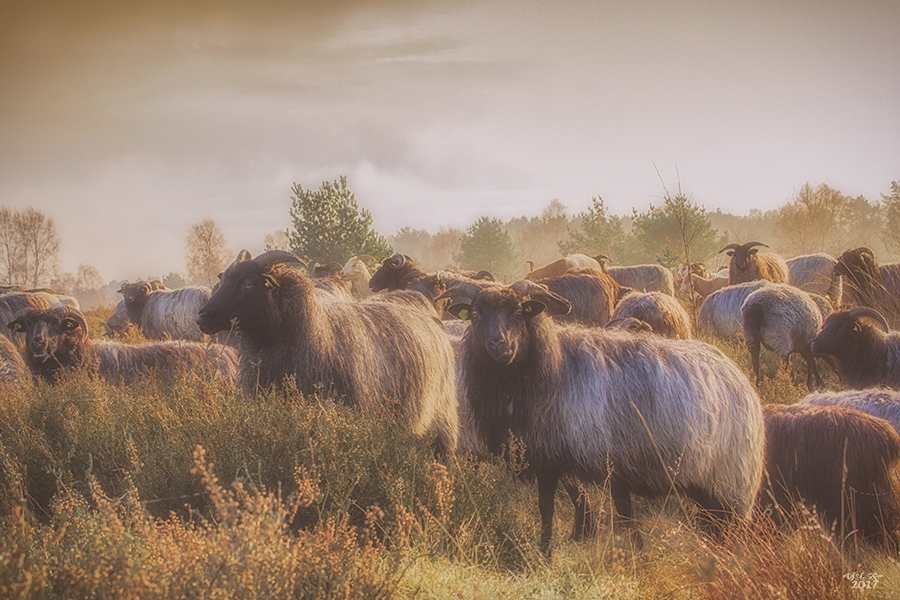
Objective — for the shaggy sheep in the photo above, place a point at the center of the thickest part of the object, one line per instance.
(58, 338)
(720, 313)
(643, 278)
(663, 313)
(814, 273)
(747, 265)
(866, 283)
(645, 414)
(12, 367)
(561, 266)
(878, 402)
(118, 322)
(839, 460)
(364, 352)
(866, 352)
(785, 320)
(165, 314)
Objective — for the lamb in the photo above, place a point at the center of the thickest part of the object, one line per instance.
(561, 266)
(747, 265)
(643, 278)
(785, 320)
(866, 283)
(866, 352)
(840, 460)
(165, 314)
(643, 413)
(663, 313)
(878, 402)
(720, 313)
(57, 339)
(814, 273)
(702, 285)
(363, 352)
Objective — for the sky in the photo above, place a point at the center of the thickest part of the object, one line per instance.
(128, 123)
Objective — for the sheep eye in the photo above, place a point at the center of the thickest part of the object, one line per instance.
(473, 314)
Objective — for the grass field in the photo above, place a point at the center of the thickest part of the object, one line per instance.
(187, 490)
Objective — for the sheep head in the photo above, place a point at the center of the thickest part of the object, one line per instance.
(392, 273)
(136, 294)
(860, 271)
(54, 338)
(500, 315)
(850, 332)
(355, 269)
(743, 266)
(245, 295)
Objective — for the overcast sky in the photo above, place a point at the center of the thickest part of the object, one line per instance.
(128, 125)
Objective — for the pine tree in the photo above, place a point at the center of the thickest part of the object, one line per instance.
(486, 245)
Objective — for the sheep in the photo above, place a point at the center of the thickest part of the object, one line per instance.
(837, 459)
(720, 313)
(696, 281)
(747, 265)
(643, 278)
(663, 313)
(644, 414)
(814, 273)
(866, 352)
(363, 352)
(785, 320)
(165, 314)
(878, 402)
(118, 322)
(560, 266)
(592, 294)
(12, 367)
(866, 283)
(58, 338)
(357, 273)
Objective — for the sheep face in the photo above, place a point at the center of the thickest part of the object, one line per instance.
(743, 261)
(850, 333)
(53, 338)
(354, 270)
(391, 273)
(245, 297)
(135, 294)
(500, 318)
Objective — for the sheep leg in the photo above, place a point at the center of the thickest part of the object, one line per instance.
(714, 516)
(812, 371)
(546, 497)
(753, 348)
(584, 520)
(621, 495)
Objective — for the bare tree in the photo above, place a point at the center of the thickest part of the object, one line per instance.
(10, 248)
(277, 240)
(29, 246)
(207, 253)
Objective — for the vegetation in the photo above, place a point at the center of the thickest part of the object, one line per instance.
(486, 245)
(207, 253)
(186, 489)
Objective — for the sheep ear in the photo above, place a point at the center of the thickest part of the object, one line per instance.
(533, 308)
(269, 281)
(15, 325)
(460, 310)
(753, 251)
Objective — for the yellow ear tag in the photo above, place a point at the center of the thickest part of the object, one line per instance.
(527, 309)
(856, 327)
(17, 326)
(270, 283)
(464, 314)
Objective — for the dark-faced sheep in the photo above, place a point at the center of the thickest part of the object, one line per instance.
(785, 320)
(645, 414)
(165, 314)
(866, 352)
(866, 283)
(748, 265)
(839, 460)
(57, 339)
(663, 313)
(364, 352)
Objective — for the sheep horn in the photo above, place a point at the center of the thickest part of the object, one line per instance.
(601, 257)
(730, 247)
(274, 257)
(484, 276)
(556, 305)
(243, 255)
(396, 261)
(865, 311)
(362, 256)
(530, 264)
(463, 290)
(67, 312)
(749, 245)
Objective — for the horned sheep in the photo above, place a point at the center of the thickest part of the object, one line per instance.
(748, 265)
(58, 339)
(165, 314)
(785, 320)
(663, 313)
(866, 283)
(363, 352)
(837, 459)
(866, 352)
(644, 414)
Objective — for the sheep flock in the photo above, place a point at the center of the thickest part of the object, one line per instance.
(608, 375)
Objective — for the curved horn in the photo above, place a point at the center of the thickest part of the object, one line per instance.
(484, 276)
(274, 257)
(556, 305)
(67, 312)
(396, 261)
(461, 290)
(601, 257)
(730, 247)
(865, 311)
(749, 245)
(243, 255)
(369, 256)
(530, 264)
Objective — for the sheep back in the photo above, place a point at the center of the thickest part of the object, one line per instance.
(878, 402)
(125, 363)
(172, 314)
(785, 319)
(814, 273)
(644, 278)
(663, 313)
(720, 313)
